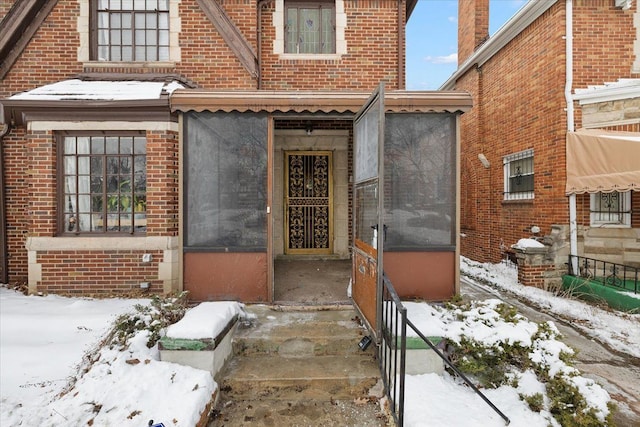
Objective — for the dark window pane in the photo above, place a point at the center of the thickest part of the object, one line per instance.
(98, 192)
(224, 151)
(420, 173)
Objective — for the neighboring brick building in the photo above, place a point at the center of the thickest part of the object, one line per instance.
(514, 139)
(151, 144)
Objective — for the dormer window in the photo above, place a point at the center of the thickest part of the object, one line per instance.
(310, 27)
(130, 30)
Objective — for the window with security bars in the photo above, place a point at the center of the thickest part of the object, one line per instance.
(104, 184)
(310, 27)
(518, 175)
(611, 209)
(130, 30)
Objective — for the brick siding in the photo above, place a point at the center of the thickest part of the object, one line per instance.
(207, 61)
(519, 104)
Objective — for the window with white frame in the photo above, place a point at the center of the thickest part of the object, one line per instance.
(130, 30)
(104, 184)
(518, 175)
(611, 209)
(310, 27)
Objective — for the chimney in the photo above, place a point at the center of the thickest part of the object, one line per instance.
(473, 26)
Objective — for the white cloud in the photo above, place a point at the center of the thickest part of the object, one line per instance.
(452, 19)
(448, 59)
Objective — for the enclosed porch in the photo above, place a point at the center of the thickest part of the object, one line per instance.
(268, 181)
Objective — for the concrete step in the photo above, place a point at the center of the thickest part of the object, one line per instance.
(300, 367)
(300, 413)
(292, 333)
(319, 378)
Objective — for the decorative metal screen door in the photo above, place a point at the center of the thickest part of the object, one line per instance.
(308, 202)
(368, 146)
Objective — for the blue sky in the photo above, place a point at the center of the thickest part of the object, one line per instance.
(432, 39)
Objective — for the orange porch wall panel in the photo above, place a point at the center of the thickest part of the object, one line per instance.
(226, 276)
(422, 275)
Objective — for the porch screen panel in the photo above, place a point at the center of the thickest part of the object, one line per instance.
(225, 181)
(420, 181)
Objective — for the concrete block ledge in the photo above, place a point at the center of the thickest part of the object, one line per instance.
(209, 354)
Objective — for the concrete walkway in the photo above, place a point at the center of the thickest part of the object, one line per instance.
(618, 373)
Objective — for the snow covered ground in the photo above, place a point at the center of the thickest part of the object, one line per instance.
(43, 341)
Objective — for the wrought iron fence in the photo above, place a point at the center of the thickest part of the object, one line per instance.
(393, 354)
(607, 273)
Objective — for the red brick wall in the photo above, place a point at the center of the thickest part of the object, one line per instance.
(473, 22)
(96, 272)
(17, 217)
(372, 45)
(5, 5)
(206, 60)
(162, 183)
(519, 104)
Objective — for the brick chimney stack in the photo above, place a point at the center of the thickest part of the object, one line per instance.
(473, 26)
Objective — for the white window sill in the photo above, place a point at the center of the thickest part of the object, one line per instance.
(516, 197)
(128, 64)
(310, 56)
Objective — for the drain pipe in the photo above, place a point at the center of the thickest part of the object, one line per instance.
(573, 223)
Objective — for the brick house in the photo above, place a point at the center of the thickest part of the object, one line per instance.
(554, 69)
(187, 144)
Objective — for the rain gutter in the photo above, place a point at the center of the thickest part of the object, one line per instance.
(514, 26)
(573, 215)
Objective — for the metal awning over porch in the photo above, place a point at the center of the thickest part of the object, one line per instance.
(316, 102)
(602, 161)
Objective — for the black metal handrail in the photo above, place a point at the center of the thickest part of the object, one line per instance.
(393, 366)
(607, 273)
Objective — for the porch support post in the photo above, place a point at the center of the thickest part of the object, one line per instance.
(573, 232)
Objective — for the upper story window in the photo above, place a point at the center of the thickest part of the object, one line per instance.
(130, 30)
(518, 175)
(310, 27)
(611, 209)
(104, 184)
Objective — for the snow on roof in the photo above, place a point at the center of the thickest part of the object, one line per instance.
(99, 91)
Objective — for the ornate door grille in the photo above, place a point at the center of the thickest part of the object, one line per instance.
(308, 203)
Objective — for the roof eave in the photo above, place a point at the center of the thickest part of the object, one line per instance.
(18, 112)
(514, 26)
(316, 102)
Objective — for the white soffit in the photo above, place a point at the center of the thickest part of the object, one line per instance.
(622, 89)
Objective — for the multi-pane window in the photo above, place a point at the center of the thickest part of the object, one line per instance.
(104, 184)
(310, 27)
(611, 209)
(518, 175)
(131, 30)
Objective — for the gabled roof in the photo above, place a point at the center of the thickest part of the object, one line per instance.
(531, 11)
(25, 17)
(18, 27)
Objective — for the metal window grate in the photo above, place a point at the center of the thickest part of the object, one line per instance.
(519, 175)
(610, 208)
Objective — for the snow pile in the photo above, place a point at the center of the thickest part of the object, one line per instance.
(45, 380)
(527, 243)
(618, 330)
(492, 325)
(129, 388)
(205, 321)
